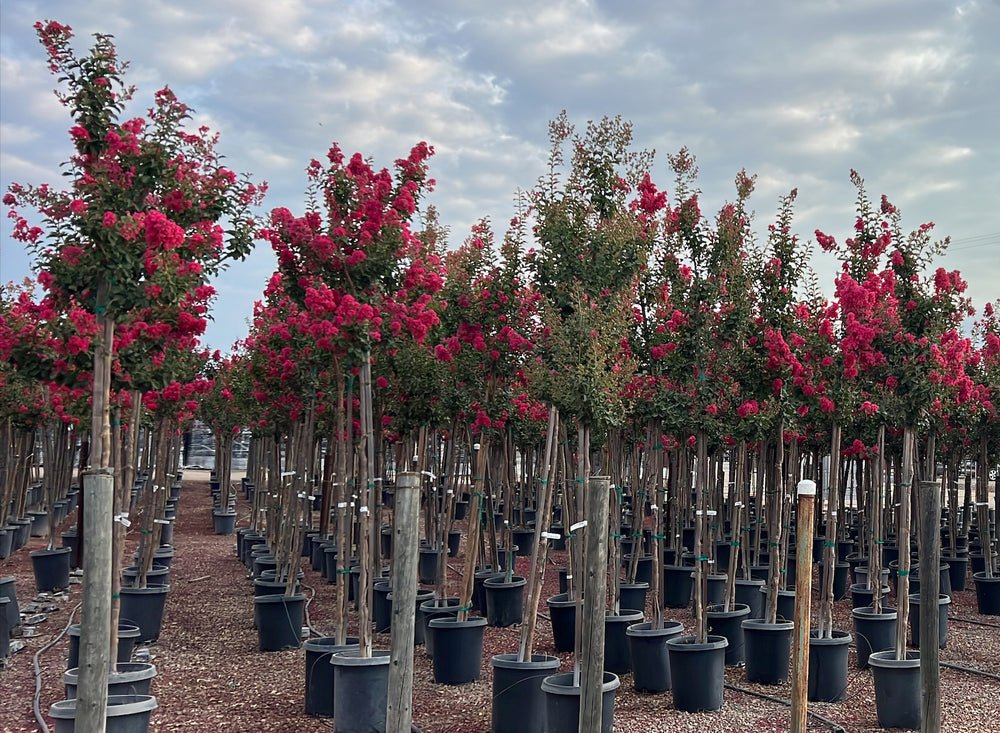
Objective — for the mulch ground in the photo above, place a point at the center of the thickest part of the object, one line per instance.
(210, 674)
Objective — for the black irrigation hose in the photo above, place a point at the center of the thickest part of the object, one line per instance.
(826, 721)
(972, 621)
(306, 610)
(38, 669)
(970, 670)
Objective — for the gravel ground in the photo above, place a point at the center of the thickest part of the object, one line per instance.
(210, 674)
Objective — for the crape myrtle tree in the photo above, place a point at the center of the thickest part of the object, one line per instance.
(906, 337)
(139, 222)
(353, 261)
(701, 325)
(985, 424)
(45, 352)
(592, 244)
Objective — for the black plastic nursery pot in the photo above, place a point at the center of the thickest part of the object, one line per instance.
(382, 606)
(828, 666)
(156, 575)
(768, 650)
(427, 565)
(649, 656)
(51, 568)
(562, 613)
(319, 673)
(458, 649)
(524, 538)
(862, 596)
(747, 592)
(479, 590)
(616, 651)
(841, 575)
(145, 608)
(633, 595)
(958, 569)
(431, 609)
(128, 634)
(362, 689)
(875, 632)
(897, 689)
(562, 702)
(504, 600)
(4, 629)
(697, 672)
(223, 521)
(729, 624)
(125, 714)
(987, 594)
(8, 591)
(677, 585)
(518, 701)
(278, 619)
(418, 627)
(128, 678)
(944, 601)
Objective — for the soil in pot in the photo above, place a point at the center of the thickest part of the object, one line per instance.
(862, 596)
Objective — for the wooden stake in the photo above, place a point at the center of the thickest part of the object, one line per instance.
(803, 592)
(406, 530)
(595, 587)
(930, 586)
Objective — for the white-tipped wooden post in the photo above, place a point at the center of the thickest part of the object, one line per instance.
(803, 593)
(406, 544)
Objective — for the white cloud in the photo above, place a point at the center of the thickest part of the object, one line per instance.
(800, 93)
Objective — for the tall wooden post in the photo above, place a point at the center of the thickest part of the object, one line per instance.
(803, 594)
(930, 586)
(95, 620)
(595, 586)
(406, 543)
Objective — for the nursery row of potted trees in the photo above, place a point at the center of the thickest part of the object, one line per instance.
(661, 338)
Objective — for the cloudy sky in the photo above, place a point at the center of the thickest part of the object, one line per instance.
(905, 91)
